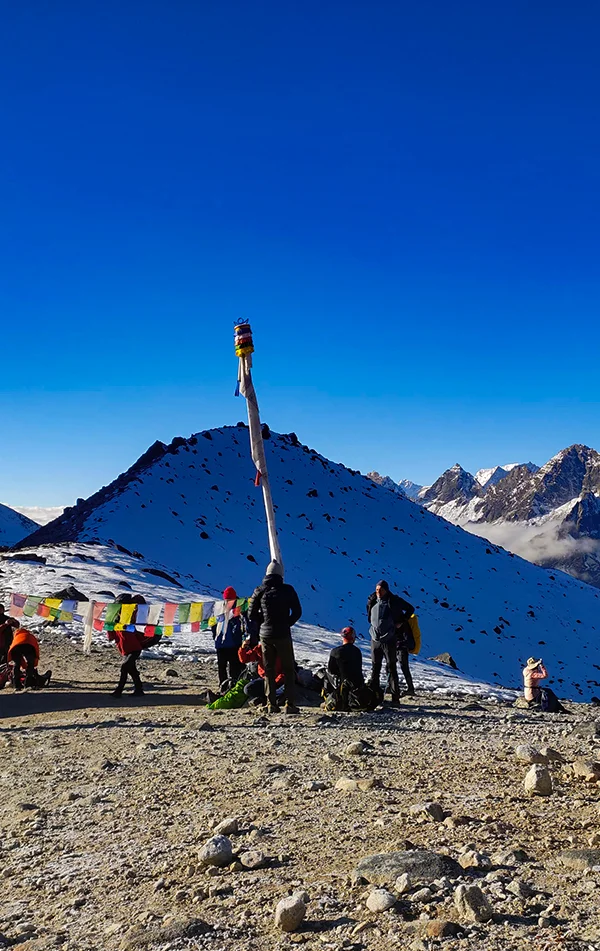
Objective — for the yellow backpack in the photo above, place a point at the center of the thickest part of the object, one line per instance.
(413, 623)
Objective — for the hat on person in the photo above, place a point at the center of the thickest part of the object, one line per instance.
(229, 594)
(533, 661)
(274, 568)
(348, 634)
(383, 584)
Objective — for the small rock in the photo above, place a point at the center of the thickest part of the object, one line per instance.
(510, 857)
(442, 929)
(403, 883)
(552, 755)
(228, 826)
(580, 859)
(331, 758)
(587, 770)
(218, 851)
(520, 889)
(421, 864)
(472, 903)
(445, 658)
(538, 781)
(380, 900)
(530, 754)
(472, 859)
(290, 912)
(359, 748)
(346, 784)
(432, 810)
(253, 859)
(423, 895)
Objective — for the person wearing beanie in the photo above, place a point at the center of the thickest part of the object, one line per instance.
(388, 614)
(274, 608)
(345, 661)
(228, 636)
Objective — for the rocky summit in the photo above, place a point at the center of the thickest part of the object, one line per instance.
(151, 823)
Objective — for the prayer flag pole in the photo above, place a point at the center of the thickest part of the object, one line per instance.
(244, 348)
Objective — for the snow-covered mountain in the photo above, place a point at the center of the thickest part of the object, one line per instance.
(549, 515)
(386, 481)
(14, 526)
(410, 489)
(40, 514)
(193, 507)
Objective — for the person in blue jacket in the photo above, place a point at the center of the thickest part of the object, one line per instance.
(228, 639)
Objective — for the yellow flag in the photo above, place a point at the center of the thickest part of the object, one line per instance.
(195, 612)
(127, 613)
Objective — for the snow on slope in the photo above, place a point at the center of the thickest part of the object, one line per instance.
(101, 571)
(14, 526)
(193, 506)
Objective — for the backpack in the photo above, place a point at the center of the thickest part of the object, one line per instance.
(549, 702)
(275, 607)
(412, 625)
(383, 628)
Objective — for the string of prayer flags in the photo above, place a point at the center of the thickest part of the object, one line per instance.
(184, 613)
(195, 612)
(169, 612)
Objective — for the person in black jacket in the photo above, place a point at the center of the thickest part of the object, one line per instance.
(345, 661)
(388, 614)
(274, 608)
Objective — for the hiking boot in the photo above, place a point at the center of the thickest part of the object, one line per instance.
(291, 708)
(46, 678)
(138, 692)
(117, 693)
(273, 708)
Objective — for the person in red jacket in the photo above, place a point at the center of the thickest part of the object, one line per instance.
(24, 653)
(250, 653)
(130, 645)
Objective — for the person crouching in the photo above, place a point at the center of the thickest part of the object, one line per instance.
(24, 654)
(130, 645)
(250, 653)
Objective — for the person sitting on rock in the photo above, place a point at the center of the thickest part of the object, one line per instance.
(228, 635)
(533, 672)
(345, 687)
(130, 645)
(24, 654)
(250, 653)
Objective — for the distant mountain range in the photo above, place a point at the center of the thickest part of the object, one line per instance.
(14, 526)
(549, 515)
(192, 507)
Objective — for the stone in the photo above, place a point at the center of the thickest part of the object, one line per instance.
(445, 658)
(346, 785)
(438, 928)
(587, 729)
(403, 884)
(380, 900)
(510, 857)
(227, 826)
(530, 754)
(580, 859)
(538, 781)
(472, 903)
(218, 852)
(423, 896)
(432, 810)
(552, 755)
(473, 859)
(587, 770)
(290, 912)
(331, 758)
(359, 748)
(421, 865)
(520, 889)
(253, 859)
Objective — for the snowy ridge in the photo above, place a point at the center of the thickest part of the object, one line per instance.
(193, 506)
(14, 526)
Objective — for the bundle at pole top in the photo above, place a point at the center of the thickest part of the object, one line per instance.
(243, 340)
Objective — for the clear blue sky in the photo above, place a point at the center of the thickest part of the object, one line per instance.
(403, 198)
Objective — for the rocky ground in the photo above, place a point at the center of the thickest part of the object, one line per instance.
(110, 810)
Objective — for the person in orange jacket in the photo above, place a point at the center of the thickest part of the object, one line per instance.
(130, 645)
(250, 653)
(24, 654)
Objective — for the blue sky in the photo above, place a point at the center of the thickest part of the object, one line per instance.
(402, 198)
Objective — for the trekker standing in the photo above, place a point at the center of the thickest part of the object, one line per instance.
(275, 608)
(533, 672)
(130, 645)
(387, 614)
(228, 636)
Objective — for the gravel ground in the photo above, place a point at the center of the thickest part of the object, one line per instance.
(106, 805)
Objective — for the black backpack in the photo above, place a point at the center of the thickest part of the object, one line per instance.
(549, 702)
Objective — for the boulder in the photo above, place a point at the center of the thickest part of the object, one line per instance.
(473, 859)
(472, 903)
(445, 658)
(530, 754)
(538, 781)
(217, 851)
(421, 865)
(227, 826)
(580, 859)
(431, 810)
(586, 769)
(290, 912)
